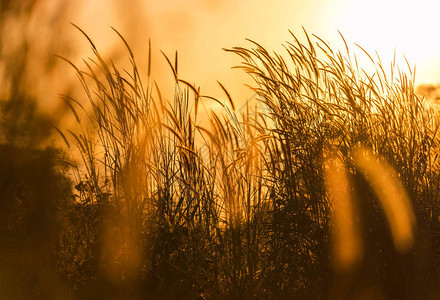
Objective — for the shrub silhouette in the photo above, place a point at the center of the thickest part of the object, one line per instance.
(33, 188)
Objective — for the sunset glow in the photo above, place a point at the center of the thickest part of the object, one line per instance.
(199, 31)
(208, 149)
(405, 26)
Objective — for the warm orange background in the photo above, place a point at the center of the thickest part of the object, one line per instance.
(199, 29)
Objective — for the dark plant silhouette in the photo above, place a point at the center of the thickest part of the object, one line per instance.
(329, 191)
(34, 190)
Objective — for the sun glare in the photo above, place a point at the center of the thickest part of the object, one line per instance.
(402, 26)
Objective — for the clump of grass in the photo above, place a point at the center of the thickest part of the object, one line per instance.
(178, 199)
(239, 208)
(321, 101)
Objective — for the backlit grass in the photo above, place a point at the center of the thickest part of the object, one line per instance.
(328, 191)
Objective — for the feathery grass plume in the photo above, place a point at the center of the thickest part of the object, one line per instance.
(239, 208)
(157, 194)
(319, 98)
(113, 152)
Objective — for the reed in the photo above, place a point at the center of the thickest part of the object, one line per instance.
(245, 205)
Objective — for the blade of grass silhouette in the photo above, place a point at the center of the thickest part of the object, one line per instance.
(171, 65)
(227, 95)
(86, 36)
(62, 136)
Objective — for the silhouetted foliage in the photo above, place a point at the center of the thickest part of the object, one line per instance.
(169, 202)
(34, 191)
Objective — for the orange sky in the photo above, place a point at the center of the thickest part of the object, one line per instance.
(200, 29)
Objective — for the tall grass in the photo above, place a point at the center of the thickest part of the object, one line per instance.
(240, 206)
(322, 102)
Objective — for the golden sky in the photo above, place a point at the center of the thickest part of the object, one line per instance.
(199, 29)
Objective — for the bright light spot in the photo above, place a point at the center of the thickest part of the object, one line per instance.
(347, 244)
(407, 26)
(392, 196)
